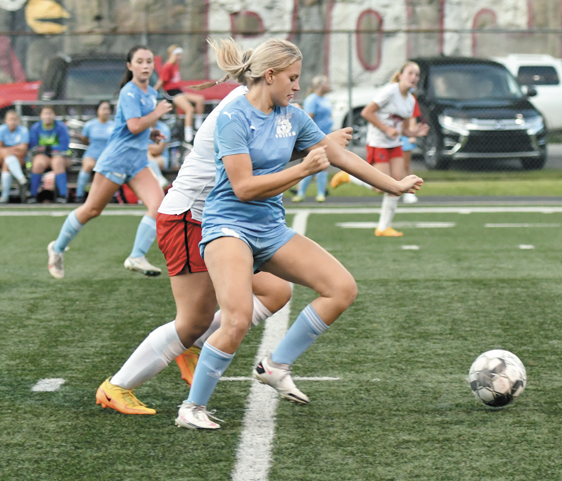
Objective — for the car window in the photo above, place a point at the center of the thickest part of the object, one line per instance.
(94, 80)
(537, 75)
(472, 82)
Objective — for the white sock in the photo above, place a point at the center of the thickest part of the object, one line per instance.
(198, 120)
(188, 134)
(356, 181)
(14, 167)
(6, 184)
(389, 203)
(154, 353)
(260, 314)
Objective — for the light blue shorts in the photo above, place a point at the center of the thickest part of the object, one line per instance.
(263, 248)
(123, 169)
(406, 145)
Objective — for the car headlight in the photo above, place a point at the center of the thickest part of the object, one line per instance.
(460, 126)
(534, 124)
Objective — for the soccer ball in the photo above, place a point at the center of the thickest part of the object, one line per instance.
(497, 377)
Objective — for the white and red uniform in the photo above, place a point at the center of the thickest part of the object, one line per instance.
(180, 215)
(394, 108)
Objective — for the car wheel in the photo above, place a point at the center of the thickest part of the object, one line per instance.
(432, 156)
(359, 125)
(534, 164)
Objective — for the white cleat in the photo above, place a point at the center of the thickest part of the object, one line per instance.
(193, 416)
(56, 268)
(279, 377)
(140, 264)
(409, 198)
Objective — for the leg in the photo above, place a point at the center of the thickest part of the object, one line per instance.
(39, 164)
(303, 186)
(6, 183)
(199, 102)
(321, 181)
(88, 164)
(395, 168)
(182, 103)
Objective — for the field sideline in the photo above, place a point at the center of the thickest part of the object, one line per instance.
(393, 404)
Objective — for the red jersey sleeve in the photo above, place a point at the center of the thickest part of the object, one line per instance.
(417, 111)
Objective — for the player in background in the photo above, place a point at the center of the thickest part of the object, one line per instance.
(169, 79)
(14, 142)
(244, 228)
(179, 233)
(95, 134)
(319, 107)
(389, 116)
(49, 144)
(123, 160)
(159, 154)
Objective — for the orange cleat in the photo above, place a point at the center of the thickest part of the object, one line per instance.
(339, 179)
(122, 400)
(187, 362)
(388, 232)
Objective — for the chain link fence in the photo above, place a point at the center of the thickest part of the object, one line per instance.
(490, 97)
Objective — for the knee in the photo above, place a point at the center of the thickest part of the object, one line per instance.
(282, 295)
(237, 324)
(90, 211)
(346, 290)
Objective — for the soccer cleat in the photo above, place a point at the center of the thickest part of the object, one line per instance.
(279, 377)
(141, 264)
(61, 200)
(56, 267)
(193, 416)
(320, 198)
(388, 232)
(23, 191)
(187, 362)
(4, 200)
(339, 179)
(298, 198)
(32, 200)
(122, 400)
(79, 199)
(409, 198)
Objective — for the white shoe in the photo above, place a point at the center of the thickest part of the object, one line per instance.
(140, 264)
(409, 198)
(193, 416)
(163, 182)
(279, 377)
(56, 267)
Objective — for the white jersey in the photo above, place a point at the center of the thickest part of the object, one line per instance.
(394, 108)
(196, 177)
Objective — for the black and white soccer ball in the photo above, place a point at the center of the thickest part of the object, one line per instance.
(497, 377)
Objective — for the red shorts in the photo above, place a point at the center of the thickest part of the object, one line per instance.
(377, 155)
(178, 239)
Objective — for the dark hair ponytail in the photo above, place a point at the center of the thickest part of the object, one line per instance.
(128, 75)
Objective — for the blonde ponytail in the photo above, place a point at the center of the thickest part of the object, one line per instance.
(396, 76)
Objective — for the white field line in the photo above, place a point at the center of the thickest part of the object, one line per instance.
(296, 378)
(414, 225)
(335, 210)
(253, 455)
(526, 246)
(521, 225)
(48, 385)
(411, 248)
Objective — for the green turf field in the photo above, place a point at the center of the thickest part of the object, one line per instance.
(400, 411)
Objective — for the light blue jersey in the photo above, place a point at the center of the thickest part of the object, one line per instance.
(270, 141)
(165, 131)
(321, 108)
(19, 136)
(98, 134)
(125, 152)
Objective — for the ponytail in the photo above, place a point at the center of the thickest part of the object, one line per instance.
(128, 75)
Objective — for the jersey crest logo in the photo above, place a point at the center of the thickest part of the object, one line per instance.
(230, 233)
(284, 127)
(229, 115)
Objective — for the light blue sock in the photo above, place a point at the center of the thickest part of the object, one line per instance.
(299, 337)
(83, 179)
(303, 185)
(14, 167)
(146, 233)
(210, 367)
(35, 183)
(321, 181)
(70, 228)
(6, 184)
(60, 180)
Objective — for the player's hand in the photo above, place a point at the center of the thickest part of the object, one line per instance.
(342, 136)
(163, 108)
(156, 136)
(316, 161)
(421, 130)
(392, 132)
(410, 184)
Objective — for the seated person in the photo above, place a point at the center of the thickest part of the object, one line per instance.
(14, 142)
(49, 140)
(159, 154)
(95, 134)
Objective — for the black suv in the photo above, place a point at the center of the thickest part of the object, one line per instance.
(476, 110)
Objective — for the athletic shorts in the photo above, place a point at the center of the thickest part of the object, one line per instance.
(178, 239)
(48, 151)
(381, 155)
(407, 146)
(263, 248)
(119, 178)
(174, 92)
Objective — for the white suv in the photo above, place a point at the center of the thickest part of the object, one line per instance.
(543, 73)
